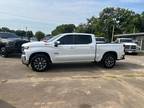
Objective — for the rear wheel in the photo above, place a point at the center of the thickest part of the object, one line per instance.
(4, 52)
(109, 61)
(40, 63)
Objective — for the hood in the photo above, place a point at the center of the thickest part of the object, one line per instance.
(130, 44)
(35, 44)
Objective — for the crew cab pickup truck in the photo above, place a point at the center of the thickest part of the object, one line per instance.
(70, 48)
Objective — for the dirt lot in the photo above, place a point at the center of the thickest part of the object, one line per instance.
(72, 85)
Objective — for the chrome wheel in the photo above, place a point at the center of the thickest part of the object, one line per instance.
(39, 63)
(109, 61)
(3, 52)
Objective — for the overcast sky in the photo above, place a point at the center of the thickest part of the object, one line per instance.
(45, 15)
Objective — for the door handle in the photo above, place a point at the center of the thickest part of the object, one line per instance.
(72, 47)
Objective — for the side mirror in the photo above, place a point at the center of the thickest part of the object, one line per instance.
(56, 43)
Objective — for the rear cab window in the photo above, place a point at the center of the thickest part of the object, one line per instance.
(82, 39)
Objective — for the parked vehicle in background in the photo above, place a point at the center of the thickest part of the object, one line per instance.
(46, 38)
(130, 45)
(10, 43)
(100, 40)
(69, 48)
(33, 39)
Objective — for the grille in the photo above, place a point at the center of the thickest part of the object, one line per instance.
(127, 46)
(133, 47)
(130, 47)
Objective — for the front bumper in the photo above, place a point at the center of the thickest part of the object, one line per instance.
(24, 61)
(131, 51)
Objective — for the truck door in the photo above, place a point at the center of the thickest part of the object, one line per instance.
(64, 51)
(84, 48)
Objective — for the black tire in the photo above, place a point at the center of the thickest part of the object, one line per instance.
(109, 61)
(135, 53)
(4, 52)
(40, 63)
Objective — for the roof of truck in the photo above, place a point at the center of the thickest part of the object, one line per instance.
(78, 34)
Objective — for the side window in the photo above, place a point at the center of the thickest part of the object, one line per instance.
(82, 39)
(66, 40)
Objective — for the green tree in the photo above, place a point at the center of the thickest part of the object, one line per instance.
(20, 33)
(29, 34)
(119, 19)
(82, 28)
(124, 21)
(142, 22)
(64, 28)
(39, 35)
(5, 29)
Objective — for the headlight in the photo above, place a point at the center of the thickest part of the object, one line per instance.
(26, 47)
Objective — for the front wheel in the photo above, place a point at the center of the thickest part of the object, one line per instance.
(40, 63)
(109, 61)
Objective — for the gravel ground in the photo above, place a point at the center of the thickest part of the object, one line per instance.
(73, 85)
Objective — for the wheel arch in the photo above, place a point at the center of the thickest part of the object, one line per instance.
(112, 53)
(39, 53)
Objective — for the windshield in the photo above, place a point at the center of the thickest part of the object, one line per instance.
(126, 41)
(53, 38)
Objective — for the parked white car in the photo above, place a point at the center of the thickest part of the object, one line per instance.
(130, 45)
(100, 40)
(69, 48)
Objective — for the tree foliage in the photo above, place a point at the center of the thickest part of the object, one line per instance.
(29, 34)
(20, 33)
(64, 28)
(123, 21)
(39, 35)
(142, 22)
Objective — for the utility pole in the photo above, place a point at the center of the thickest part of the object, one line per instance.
(113, 30)
(134, 30)
(26, 34)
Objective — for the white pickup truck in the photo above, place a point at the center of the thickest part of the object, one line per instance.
(70, 48)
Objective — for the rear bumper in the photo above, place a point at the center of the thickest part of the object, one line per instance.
(122, 57)
(131, 51)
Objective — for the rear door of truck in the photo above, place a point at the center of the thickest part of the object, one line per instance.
(84, 48)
